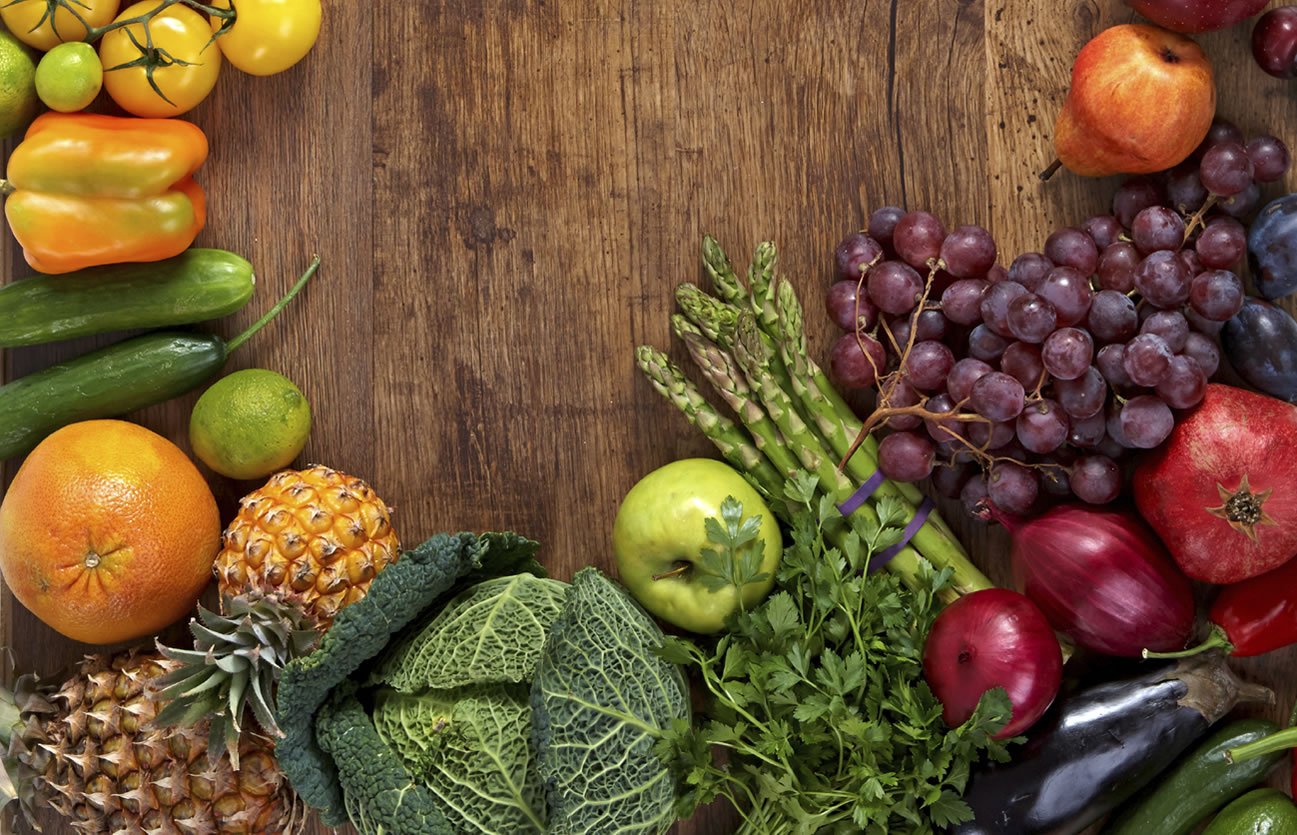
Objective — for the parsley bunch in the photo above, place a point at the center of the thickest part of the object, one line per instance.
(818, 718)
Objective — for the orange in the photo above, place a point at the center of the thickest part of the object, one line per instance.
(108, 532)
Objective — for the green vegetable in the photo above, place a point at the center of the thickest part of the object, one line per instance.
(198, 285)
(1259, 812)
(602, 700)
(1200, 784)
(118, 379)
(398, 596)
(817, 696)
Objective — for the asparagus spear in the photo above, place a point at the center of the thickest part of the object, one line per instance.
(761, 283)
(718, 267)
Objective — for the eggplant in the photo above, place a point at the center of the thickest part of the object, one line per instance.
(1098, 746)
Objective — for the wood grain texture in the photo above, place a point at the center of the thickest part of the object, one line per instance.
(505, 193)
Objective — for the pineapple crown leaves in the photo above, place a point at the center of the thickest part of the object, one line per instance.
(236, 662)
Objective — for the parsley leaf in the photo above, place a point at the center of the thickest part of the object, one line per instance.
(736, 561)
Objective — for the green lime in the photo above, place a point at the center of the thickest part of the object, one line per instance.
(69, 77)
(17, 85)
(250, 424)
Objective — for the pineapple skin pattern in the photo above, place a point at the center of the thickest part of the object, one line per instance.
(93, 752)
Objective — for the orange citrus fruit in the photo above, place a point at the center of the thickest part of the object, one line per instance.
(108, 532)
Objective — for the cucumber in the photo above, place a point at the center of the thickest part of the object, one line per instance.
(1200, 784)
(121, 378)
(198, 285)
(1260, 812)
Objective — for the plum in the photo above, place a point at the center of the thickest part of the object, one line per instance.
(1272, 248)
(1261, 344)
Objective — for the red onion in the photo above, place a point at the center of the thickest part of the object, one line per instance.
(987, 639)
(1103, 579)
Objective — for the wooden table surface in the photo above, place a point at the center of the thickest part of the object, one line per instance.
(505, 192)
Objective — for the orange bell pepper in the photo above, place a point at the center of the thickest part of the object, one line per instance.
(85, 190)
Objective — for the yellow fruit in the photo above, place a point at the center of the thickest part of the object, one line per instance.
(17, 85)
(250, 424)
(315, 537)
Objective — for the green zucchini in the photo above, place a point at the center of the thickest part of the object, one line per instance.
(1260, 812)
(195, 286)
(1200, 784)
(121, 378)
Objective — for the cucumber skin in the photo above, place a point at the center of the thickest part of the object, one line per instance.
(1200, 784)
(1259, 812)
(198, 285)
(106, 383)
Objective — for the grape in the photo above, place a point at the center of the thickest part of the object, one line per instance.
(1162, 279)
(959, 383)
(997, 274)
(849, 309)
(997, 396)
(850, 364)
(1204, 352)
(1067, 353)
(1184, 385)
(1221, 244)
(1055, 481)
(882, 222)
(968, 251)
(1117, 267)
(1226, 169)
(1104, 230)
(989, 435)
(1042, 426)
(974, 495)
(1202, 324)
(1157, 228)
(1012, 487)
(931, 324)
(906, 456)
(1269, 157)
(1096, 479)
(917, 238)
(1134, 196)
(1031, 318)
(1069, 291)
(1216, 295)
(1110, 448)
(1029, 269)
(1147, 359)
(1184, 190)
(1112, 317)
(1083, 397)
(1171, 326)
(950, 479)
(1110, 363)
(985, 344)
(1070, 247)
(902, 396)
(1087, 432)
(928, 364)
(961, 302)
(1021, 361)
(941, 429)
(1274, 42)
(894, 287)
(1242, 204)
(856, 254)
(1146, 421)
(1190, 261)
(1113, 427)
(995, 306)
(1220, 132)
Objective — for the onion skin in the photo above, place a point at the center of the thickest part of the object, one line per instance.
(1102, 578)
(987, 639)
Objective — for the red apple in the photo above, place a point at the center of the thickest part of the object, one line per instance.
(1222, 491)
(1197, 15)
(987, 639)
(1142, 99)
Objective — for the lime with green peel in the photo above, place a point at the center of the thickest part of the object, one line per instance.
(69, 77)
(17, 85)
(250, 424)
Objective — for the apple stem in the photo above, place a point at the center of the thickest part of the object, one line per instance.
(675, 572)
(1051, 170)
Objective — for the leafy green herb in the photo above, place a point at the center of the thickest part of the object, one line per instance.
(736, 561)
(816, 697)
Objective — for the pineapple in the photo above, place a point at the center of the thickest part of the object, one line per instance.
(92, 752)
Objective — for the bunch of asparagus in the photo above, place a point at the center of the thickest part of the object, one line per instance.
(750, 345)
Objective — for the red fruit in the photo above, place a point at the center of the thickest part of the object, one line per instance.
(987, 639)
(1222, 491)
(1197, 15)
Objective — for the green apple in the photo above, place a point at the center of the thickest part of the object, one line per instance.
(660, 535)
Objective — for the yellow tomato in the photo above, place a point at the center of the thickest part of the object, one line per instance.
(31, 21)
(268, 36)
(180, 39)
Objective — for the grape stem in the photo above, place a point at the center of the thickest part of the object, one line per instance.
(1051, 170)
(1196, 219)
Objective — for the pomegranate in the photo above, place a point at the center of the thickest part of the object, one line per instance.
(1222, 491)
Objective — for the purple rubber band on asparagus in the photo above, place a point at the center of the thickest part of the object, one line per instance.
(911, 529)
(861, 495)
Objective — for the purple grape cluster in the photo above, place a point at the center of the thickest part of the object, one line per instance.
(1053, 370)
